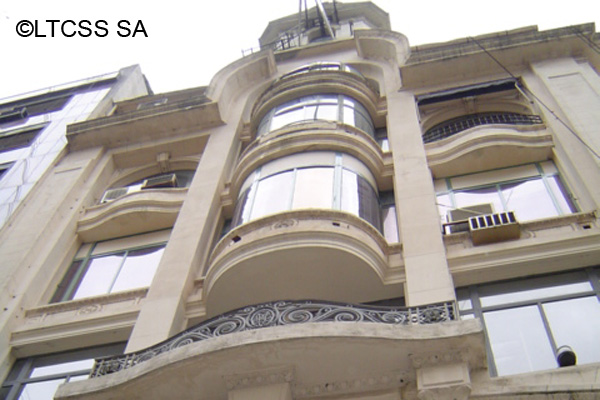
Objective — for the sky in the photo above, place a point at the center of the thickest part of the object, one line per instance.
(182, 44)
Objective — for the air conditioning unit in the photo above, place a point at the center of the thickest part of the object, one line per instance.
(493, 228)
(464, 213)
(162, 181)
(458, 217)
(113, 194)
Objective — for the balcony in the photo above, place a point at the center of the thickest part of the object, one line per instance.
(280, 313)
(315, 347)
(299, 254)
(454, 126)
(133, 213)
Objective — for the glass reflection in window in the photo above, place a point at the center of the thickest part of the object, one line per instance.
(110, 273)
(531, 197)
(329, 107)
(527, 320)
(38, 378)
(325, 187)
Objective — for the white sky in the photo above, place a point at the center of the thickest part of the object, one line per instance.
(189, 41)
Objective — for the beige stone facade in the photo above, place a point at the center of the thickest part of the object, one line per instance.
(340, 217)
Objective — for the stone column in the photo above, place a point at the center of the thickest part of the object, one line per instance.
(428, 279)
(163, 311)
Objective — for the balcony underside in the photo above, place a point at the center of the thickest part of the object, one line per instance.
(488, 147)
(334, 357)
(301, 254)
(131, 214)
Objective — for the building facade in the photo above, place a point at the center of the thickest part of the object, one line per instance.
(338, 215)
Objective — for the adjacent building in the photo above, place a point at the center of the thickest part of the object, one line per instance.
(338, 215)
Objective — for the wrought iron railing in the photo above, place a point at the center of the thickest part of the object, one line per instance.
(277, 314)
(453, 126)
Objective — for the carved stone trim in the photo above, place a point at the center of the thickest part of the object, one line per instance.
(390, 380)
(260, 378)
(87, 304)
(437, 358)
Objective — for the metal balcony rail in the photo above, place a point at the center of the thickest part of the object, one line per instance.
(278, 314)
(453, 126)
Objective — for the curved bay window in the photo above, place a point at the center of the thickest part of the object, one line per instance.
(320, 180)
(328, 107)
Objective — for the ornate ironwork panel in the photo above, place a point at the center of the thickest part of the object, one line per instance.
(277, 314)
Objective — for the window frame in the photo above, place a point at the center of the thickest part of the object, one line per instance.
(542, 175)
(247, 197)
(79, 267)
(470, 303)
(342, 102)
(20, 375)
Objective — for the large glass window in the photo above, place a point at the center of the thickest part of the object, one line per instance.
(99, 268)
(285, 184)
(526, 321)
(38, 378)
(532, 191)
(329, 107)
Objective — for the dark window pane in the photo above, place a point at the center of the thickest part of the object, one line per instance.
(368, 203)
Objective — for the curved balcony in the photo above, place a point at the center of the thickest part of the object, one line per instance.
(137, 212)
(316, 347)
(281, 313)
(301, 254)
(456, 125)
(486, 147)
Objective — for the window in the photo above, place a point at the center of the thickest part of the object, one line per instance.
(175, 179)
(4, 168)
(20, 137)
(322, 66)
(333, 181)
(329, 107)
(527, 320)
(108, 267)
(532, 191)
(389, 223)
(38, 378)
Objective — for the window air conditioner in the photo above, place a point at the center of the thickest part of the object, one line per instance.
(162, 181)
(113, 194)
(458, 217)
(464, 213)
(493, 228)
